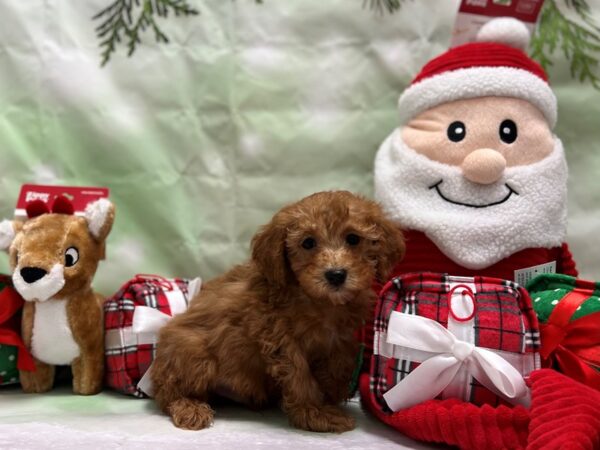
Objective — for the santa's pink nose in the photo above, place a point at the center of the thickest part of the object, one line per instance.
(483, 166)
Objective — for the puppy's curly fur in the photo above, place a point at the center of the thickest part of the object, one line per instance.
(280, 327)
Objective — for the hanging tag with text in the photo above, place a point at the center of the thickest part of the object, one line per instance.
(473, 14)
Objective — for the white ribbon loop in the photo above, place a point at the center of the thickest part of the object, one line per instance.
(449, 354)
(146, 323)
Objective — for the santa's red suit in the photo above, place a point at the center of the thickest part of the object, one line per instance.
(422, 255)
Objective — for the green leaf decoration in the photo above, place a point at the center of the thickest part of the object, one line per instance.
(580, 44)
(128, 19)
(381, 6)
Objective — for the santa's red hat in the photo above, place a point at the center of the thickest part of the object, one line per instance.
(495, 65)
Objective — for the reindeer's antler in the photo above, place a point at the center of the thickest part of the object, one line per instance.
(36, 208)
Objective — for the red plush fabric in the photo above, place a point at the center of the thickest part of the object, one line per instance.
(62, 205)
(36, 208)
(564, 415)
(480, 54)
(422, 255)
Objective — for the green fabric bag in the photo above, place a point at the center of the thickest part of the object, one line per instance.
(9, 324)
(568, 310)
(548, 289)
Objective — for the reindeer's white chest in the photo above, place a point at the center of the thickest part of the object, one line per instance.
(52, 341)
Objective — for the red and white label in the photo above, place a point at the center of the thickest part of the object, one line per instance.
(473, 14)
(79, 196)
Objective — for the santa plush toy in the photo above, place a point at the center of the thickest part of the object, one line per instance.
(478, 181)
(474, 173)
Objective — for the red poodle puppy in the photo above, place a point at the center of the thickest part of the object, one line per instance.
(281, 326)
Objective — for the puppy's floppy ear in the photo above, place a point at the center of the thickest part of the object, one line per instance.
(269, 252)
(391, 247)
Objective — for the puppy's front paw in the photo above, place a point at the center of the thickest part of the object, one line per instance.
(190, 414)
(322, 419)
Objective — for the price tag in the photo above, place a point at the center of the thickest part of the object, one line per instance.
(473, 14)
(79, 196)
(522, 276)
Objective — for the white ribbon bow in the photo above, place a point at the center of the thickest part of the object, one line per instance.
(147, 322)
(449, 354)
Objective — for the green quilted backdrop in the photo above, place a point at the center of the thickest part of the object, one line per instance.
(249, 107)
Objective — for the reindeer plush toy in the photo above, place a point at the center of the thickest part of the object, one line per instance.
(54, 256)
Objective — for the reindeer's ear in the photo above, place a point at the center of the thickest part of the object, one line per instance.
(8, 231)
(100, 216)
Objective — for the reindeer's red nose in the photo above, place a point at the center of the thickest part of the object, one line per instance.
(32, 274)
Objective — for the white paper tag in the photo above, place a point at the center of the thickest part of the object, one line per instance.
(522, 276)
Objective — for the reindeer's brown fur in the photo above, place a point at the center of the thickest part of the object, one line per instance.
(272, 329)
(41, 242)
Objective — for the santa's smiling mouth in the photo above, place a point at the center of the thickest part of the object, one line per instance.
(510, 192)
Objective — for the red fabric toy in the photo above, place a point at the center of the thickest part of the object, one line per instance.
(11, 343)
(132, 318)
(476, 176)
(472, 338)
(564, 414)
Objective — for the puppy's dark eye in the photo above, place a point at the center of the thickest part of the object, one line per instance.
(353, 239)
(309, 243)
(71, 257)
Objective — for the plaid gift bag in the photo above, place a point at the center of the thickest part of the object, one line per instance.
(132, 318)
(439, 336)
(13, 354)
(569, 313)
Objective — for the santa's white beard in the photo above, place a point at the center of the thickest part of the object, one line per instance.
(526, 208)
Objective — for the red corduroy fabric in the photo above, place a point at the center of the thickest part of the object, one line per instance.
(457, 423)
(480, 54)
(564, 415)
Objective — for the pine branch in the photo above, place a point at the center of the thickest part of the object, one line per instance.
(128, 19)
(381, 6)
(579, 44)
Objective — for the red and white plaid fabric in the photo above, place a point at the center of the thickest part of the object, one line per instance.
(127, 355)
(503, 321)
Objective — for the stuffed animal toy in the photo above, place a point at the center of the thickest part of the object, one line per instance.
(54, 256)
(474, 174)
(478, 181)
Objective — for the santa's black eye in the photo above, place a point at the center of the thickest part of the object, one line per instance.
(309, 243)
(353, 239)
(71, 257)
(508, 131)
(457, 131)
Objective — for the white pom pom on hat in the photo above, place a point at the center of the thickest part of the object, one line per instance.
(505, 30)
(495, 65)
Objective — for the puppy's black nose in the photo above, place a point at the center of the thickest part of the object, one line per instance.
(336, 277)
(32, 274)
